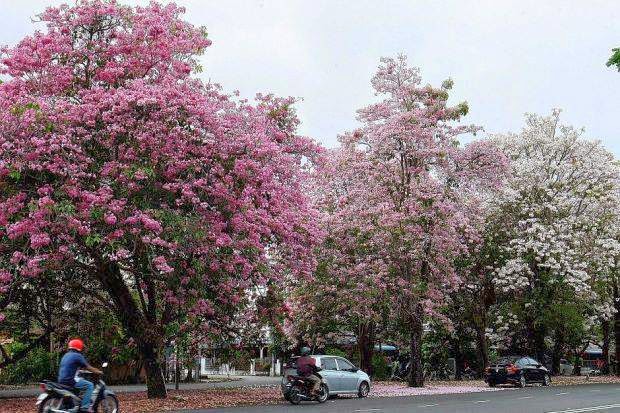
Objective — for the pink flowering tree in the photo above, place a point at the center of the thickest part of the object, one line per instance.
(348, 297)
(127, 179)
(414, 194)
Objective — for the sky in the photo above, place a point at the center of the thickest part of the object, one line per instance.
(506, 57)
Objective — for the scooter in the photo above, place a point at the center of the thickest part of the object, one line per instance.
(58, 398)
(298, 389)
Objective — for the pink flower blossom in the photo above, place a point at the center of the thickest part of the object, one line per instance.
(39, 240)
(110, 218)
(162, 265)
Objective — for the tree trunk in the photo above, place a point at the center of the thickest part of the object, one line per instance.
(459, 359)
(539, 345)
(558, 345)
(155, 386)
(578, 362)
(190, 372)
(483, 346)
(366, 346)
(138, 324)
(416, 373)
(617, 327)
(606, 339)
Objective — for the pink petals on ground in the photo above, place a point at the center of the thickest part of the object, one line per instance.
(396, 389)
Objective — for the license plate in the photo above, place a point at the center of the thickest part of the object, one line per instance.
(497, 370)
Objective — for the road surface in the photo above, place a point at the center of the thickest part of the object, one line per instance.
(603, 398)
(237, 382)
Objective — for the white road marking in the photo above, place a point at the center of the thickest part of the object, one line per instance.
(481, 401)
(429, 405)
(589, 409)
(594, 390)
(524, 397)
(368, 410)
(560, 394)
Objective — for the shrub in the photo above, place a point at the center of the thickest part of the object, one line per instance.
(38, 365)
(380, 366)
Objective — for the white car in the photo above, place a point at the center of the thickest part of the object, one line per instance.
(340, 375)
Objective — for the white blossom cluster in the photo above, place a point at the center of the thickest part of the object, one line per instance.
(555, 212)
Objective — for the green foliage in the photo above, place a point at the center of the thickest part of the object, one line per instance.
(335, 351)
(38, 365)
(614, 60)
(19, 110)
(15, 175)
(380, 367)
(92, 240)
(238, 358)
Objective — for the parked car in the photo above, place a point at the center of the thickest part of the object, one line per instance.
(340, 375)
(517, 370)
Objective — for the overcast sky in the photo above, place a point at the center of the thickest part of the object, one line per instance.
(505, 57)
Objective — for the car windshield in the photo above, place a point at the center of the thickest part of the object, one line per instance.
(507, 360)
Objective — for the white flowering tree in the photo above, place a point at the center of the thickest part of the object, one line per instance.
(552, 212)
(606, 264)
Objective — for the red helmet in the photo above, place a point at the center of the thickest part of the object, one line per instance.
(76, 344)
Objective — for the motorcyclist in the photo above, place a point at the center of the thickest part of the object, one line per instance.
(306, 367)
(71, 362)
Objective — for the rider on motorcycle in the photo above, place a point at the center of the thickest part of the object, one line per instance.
(71, 362)
(306, 367)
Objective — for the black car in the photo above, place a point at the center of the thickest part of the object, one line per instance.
(517, 370)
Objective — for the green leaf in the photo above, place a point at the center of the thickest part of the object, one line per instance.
(15, 175)
(65, 207)
(92, 240)
(96, 213)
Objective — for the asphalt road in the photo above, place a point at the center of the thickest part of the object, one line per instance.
(561, 399)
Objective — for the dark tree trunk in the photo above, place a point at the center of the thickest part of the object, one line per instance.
(416, 373)
(483, 346)
(155, 385)
(605, 327)
(539, 345)
(366, 346)
(190, 372)
(577, 367)
(617, 327)
(459, 359)
(140, 325)
(558, 346)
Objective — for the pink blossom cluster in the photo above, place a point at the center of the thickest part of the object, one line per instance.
(115, 157)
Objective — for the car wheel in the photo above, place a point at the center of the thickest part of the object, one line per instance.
(546, 380)
(363, 390)
(522, 383)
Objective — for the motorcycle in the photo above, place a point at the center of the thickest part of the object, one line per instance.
(58, 398)
(299, 388)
